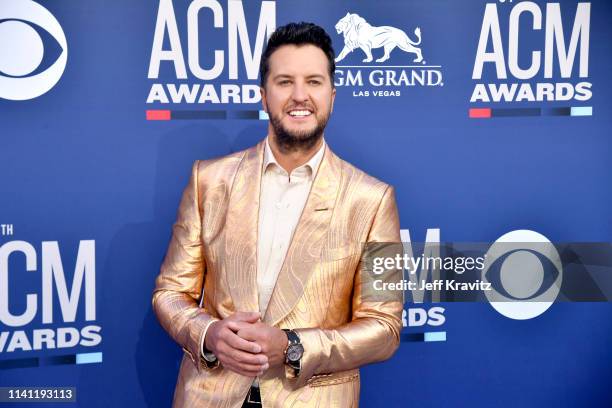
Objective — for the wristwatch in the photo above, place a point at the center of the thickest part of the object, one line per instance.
(294, 351)
(209, 359)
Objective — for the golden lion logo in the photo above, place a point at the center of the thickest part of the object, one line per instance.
(358, 33)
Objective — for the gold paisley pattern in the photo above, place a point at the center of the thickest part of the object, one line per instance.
(210, 271)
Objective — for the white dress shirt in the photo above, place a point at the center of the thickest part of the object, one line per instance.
(281, 201)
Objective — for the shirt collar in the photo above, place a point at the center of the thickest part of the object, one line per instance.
(311, 166)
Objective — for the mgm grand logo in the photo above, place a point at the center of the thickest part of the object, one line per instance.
(370, 77)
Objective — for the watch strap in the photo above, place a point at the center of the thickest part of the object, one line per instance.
(292, 339)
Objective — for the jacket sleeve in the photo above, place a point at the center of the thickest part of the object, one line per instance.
(373, 334)
(178, 288)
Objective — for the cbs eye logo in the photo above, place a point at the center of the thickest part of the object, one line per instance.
(22, 50)
(525, 263)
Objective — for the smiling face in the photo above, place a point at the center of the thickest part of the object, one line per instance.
(298, 96)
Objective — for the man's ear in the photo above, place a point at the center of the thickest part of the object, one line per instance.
(264, 104)
(333, 99)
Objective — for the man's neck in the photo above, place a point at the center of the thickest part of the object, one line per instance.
(290, 160)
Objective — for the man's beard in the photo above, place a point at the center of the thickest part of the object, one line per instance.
(293, 141)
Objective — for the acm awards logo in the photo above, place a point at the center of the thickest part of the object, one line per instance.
(537, 59)
(22, 50)
(522, 277)
(379, 44)
(212, 77)
(43, 308)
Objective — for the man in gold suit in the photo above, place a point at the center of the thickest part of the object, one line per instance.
(262, 281)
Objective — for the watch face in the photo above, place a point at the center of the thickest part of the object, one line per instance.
(295, 352)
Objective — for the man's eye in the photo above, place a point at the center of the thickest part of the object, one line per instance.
(284, 82)
(315, 82)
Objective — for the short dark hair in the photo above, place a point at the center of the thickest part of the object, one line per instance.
(297, 34)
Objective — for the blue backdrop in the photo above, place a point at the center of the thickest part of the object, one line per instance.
(94, 158)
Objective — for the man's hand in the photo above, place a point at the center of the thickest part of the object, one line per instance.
(273, 341)
(235, 353)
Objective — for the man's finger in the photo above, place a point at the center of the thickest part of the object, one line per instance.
(237, 325)
(235, 358)
(232, 366)
(250, 370)
(248, 333)
(239, 343)
(248, 358)
(250, 317)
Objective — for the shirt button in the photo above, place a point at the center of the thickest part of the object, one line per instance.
(279, 204)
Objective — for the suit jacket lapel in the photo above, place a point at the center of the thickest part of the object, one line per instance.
(308, 239)
(241, 231)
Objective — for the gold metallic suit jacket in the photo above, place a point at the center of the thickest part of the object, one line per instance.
(210, 270)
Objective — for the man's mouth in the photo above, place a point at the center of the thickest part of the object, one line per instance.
(300, 113)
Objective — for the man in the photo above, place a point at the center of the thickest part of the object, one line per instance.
(261, 284)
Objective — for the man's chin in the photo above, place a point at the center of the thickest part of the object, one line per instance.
(301, 133)
(299, 124)
(298, 140)
(297, 136)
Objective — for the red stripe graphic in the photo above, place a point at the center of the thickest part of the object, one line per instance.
(480, 112)
(158, 115)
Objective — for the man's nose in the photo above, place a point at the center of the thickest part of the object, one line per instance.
(299, 93)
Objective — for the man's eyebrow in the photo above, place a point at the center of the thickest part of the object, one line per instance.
(277, 76)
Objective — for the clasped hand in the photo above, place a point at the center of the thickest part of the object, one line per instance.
(246, 345)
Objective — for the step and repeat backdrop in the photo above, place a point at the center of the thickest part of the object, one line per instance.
(490, 118)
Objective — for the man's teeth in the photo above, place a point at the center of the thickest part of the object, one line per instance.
(299, 113)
